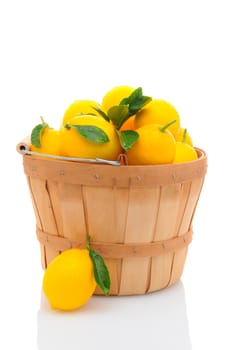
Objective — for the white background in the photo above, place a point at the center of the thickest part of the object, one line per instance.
(54, 52)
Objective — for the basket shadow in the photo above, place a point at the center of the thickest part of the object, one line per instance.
(152, 321)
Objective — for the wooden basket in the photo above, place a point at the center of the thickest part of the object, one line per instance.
(139, 217)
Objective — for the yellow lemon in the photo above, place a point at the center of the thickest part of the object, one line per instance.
(50, 142)
(156, 145)
(69, 282)
(80, 107)
(114, 96)
(184, 153)
(128, 125)
(181, 133)
(158, 112)
(73, 144)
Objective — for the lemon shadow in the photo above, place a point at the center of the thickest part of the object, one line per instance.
(153, 321)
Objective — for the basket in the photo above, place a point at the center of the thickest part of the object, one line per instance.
(139, 217)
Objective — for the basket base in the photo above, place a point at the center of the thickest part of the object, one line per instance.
(99, 293)
(142, 275)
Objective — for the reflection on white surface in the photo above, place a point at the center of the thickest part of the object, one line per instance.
(153, 321)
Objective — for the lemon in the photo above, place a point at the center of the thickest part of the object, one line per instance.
(50, 142)
(114, 96)
(75, 145)
(80, 107)
(69, 282)
(158, 112)
(184, 153)
(156, 145)
(128, 124)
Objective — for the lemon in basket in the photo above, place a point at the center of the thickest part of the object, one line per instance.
(114, 96)
(81, 107)
(44, 139)
(89, 136)
(69, 281)
(158, 112)
(156, 145)
(185, 152)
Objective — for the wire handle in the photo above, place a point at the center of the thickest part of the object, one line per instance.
(85, 160)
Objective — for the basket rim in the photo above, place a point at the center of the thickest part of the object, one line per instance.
(109, 175)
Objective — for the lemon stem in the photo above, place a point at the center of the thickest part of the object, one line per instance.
(164, 127)
(87, 246)
(68, 126)
(43, 121)
(184, 136)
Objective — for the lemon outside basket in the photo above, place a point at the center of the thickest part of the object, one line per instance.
(139, 217)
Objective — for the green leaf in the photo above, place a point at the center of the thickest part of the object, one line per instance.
(101, 272)
(136, 101)
(102, 113)
(135, 95)
(92, 133)
(128, 138)
(36, 134)
(118, 114)
(139, 104)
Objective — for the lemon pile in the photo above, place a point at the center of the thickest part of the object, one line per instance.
(147, 130)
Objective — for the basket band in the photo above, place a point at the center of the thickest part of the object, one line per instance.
(118, 250)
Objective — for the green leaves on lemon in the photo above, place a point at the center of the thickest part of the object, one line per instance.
(101, 273)
(91, 133)
(127, 138)
(102, 113)
(127, 107)
(118, 115)
(136, 101)
(37, 132)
